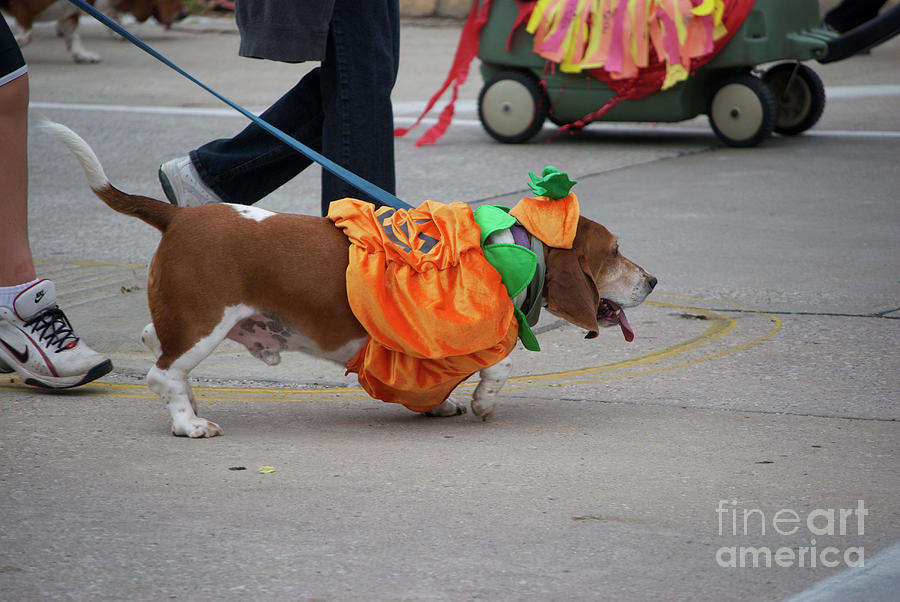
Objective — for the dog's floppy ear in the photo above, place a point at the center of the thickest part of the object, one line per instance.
(570, 289)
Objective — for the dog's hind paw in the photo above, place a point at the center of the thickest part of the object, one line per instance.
(196, 428)
(447, 408)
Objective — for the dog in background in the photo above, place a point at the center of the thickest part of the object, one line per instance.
(27, 12)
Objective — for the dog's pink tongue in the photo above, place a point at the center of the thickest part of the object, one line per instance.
(627, 330)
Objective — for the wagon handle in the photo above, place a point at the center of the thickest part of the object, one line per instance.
(868, 35)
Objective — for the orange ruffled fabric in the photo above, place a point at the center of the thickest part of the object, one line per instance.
(435, 309)
(553, 221)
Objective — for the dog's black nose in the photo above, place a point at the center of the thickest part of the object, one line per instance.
(652, 282)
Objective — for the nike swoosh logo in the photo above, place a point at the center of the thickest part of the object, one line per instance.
(21, 357)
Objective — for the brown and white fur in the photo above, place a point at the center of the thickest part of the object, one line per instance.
(66, 15)
(276, 282)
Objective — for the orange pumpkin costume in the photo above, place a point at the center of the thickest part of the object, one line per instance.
(436, 310)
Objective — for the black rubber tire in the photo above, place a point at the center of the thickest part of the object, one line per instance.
(512, 107)
(800, 95)
(742, 110)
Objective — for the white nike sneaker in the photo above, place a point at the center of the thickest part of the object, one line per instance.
(37, 342)
(183, 185)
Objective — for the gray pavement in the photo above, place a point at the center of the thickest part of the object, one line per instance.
(758, 401)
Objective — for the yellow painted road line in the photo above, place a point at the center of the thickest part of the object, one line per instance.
(777, 326)
(720, 326)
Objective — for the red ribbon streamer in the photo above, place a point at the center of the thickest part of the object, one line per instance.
(466, 51)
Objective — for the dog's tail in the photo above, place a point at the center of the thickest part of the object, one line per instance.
(156, 213)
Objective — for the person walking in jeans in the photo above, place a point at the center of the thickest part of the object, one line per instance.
(341, 109)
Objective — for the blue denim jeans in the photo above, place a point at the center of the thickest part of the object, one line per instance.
(342, 109)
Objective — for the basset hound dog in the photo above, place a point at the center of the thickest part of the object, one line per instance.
(27, 12)
(284, 282)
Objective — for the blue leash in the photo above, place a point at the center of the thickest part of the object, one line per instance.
(351, 178)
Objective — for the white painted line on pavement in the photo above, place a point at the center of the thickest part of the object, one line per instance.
(411, 107)
(650, 128)
(149, 110)
(405, 112)
(874, 91)
(415, 107)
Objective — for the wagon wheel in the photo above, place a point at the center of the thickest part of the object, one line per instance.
(512, 107)
(800, 96)
(742, 110)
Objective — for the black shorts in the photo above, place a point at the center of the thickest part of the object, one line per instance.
(12, 63)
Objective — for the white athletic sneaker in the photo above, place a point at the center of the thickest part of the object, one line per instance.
(182, 184)
(37, 342)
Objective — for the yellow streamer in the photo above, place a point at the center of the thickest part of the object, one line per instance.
(706, 8)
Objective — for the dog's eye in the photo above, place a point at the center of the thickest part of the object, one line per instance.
(615, 252)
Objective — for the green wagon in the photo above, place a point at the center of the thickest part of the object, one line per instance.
(744, 105)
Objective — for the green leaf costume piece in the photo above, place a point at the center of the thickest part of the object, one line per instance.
(553, 184)
(516, 265)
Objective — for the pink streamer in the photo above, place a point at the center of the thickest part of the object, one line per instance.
(554, 41)
(614, 58)
(670, 39)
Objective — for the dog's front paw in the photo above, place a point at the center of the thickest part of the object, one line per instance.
(483, 411)
(86, 56)
(23, 37)
(447, 408)
(484, 399)
(196, 428)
